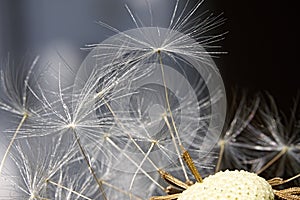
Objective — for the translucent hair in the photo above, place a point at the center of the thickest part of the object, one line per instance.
(153, 90)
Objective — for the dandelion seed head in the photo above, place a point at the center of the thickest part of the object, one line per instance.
(230, 185)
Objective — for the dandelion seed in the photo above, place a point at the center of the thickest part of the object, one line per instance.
(152, 90)
(17, 99)
(38, 161)
(61, 118)
(271, 142)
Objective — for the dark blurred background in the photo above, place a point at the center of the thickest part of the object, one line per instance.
(262, 42)
(263, 47)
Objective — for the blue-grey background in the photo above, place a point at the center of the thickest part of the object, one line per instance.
(262, 42)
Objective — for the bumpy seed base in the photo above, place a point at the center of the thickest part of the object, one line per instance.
(233, 185)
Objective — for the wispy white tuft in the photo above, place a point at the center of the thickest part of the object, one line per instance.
(39, 161)
(271, 144)
(152, 91)
(16, 98)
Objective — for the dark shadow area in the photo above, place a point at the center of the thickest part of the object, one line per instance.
(262, 46)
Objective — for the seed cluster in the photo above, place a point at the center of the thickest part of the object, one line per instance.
(231, 185)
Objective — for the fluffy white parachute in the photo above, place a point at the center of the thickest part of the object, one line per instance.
(152, 90)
